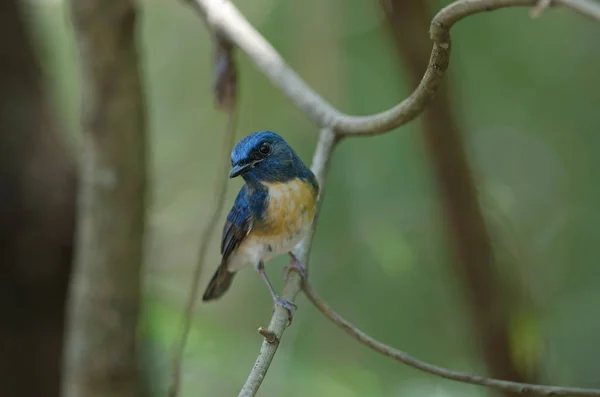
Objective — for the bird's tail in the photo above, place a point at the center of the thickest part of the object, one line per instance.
(219, 284)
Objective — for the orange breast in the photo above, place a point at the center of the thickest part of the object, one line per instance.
(290, 210)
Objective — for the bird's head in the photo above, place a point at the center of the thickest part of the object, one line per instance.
(265, 157)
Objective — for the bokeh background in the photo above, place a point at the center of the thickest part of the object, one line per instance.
(525, 94)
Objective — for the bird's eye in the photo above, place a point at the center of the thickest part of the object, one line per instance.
(264, 148)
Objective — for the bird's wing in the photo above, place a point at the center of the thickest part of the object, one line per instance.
(237, 225)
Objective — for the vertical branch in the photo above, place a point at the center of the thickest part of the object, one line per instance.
(105, 291)
(293, 283)
(220, 192)
(37, 219)
(225, 97)
(475, 262)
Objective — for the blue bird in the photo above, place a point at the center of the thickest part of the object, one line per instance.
(272, 213)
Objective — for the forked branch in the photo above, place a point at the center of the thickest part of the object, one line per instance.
(225, 19)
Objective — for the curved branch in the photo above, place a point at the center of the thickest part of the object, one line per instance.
(293, 282)
(473, 253)
(409, 360)
(225, 17)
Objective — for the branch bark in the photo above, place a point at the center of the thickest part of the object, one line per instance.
(37, 218)
(225, 18)
(293, 282)
(475, 260)
(105, 291)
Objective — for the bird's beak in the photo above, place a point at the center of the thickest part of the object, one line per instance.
(239, 169)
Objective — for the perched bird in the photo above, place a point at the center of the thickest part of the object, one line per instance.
(272, 213)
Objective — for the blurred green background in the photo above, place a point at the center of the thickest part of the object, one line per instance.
(526, 94)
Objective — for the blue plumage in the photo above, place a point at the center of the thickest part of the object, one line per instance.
(272, 212)
(280, 165)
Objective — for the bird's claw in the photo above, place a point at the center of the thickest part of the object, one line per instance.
(298, 266)
(287, 305)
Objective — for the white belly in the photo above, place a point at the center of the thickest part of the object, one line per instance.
(256, 249)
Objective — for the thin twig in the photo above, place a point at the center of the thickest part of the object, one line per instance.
(409, 360)
(540, 7)
(224, 87)
(268, 335)
(293, 283)
(220, 192)
(225, 17)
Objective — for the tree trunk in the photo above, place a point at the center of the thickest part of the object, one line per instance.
(101, 358)
(474, 262)
(37, 216)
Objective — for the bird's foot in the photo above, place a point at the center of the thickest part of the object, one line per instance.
(287, 305)
(296, 265)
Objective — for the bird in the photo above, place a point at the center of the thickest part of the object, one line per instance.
(273, 211)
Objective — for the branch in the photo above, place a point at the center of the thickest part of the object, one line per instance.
(220, 192)
(225, 17)
(293, 282)
(473, 254)
(407, 359)
(225, 97)
(540, 7)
